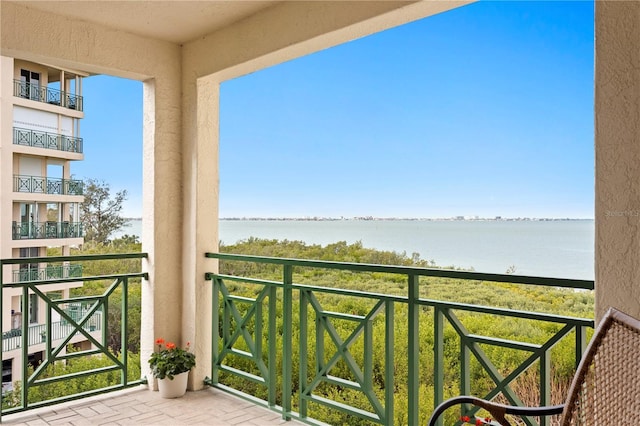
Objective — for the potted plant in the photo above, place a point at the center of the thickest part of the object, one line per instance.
(171, 364)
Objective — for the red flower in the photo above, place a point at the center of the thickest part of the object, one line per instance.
(479, 422)
(465, 419)
(172, 360)
(487, 419)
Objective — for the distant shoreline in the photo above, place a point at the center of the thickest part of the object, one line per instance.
(426, 219)
(554, 247)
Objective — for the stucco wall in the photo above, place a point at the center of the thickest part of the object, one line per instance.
(6, 154)
(617, 134)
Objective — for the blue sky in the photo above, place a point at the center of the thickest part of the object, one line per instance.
(484, 110)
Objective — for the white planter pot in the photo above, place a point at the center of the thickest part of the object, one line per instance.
(173, 388)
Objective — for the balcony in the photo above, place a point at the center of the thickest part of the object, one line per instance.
(43, 185)
(46, 230)
(48, 273)
(36, 139)
(39, 93)
(309, 347)
(37, 334)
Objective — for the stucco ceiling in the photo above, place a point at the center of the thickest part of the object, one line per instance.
(176, 21)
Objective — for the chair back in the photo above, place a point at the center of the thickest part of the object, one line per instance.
(606, 387)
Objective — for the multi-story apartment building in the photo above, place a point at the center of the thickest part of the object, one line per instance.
(39, 199)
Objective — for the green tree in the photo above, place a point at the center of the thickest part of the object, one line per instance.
(100, 211)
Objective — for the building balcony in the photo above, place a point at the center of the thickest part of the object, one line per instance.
(37, 334)
(39, 93)
(55, 141)
(48, 273)
(44, 185)
(46, 230)
(314, 348)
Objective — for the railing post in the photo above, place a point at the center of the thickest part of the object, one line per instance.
(105, 323)
(389, 361)
(545, 388)
(215, 328)
(304, 361)
(581, 343)
(25, 345)
(414, 350)
(438, 359)
(124, 330)
(465, 370)
(287, 341)
(273, 347)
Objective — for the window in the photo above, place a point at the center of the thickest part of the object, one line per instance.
(7, 366)
(30, 87)
(29, 271)
(33, 308)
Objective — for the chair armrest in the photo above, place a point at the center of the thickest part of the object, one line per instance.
(498, 411)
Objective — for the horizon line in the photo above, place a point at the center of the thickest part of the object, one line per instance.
(366, 218)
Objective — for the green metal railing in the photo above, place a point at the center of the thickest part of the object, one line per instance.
(44, 185)
(46, 140)
(48, 273)
(39, 93)
(253, 340)
(49, 229)
(79, 317)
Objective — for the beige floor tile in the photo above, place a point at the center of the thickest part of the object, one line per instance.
(140, 406)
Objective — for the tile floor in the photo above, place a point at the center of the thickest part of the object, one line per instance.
(139, 406)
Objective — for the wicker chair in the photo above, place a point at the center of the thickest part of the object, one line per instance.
(605, 389)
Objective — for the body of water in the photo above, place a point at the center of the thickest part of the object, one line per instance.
(563, 249)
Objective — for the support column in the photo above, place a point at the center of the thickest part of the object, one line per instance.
(617, 132)
(200, 226)
(161, 215)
